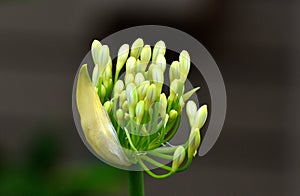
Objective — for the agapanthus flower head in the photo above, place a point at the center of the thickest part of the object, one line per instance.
(129, 120)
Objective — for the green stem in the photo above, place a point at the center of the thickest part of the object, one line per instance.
(136, 183)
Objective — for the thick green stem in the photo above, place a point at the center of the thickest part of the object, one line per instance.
(136, 183)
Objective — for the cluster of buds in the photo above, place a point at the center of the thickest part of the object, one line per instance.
(130, 110)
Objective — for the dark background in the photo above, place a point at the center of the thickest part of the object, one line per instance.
(255, 43)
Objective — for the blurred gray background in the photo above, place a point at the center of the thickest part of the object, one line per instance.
(255, 43)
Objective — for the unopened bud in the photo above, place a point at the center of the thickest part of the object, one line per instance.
(139, 111)
(131, 65)
(146, 54)
(191, 109)
(107, 106)
(174, 72)
(200, 117)
(122, 56)
(129, 78)
(159, 48)
(178, 157)
(139, 78)
(194, 142)
(173, 114)
(184, 60)
(151, 93)
(162, 105)
(118, 88)
(136, 48)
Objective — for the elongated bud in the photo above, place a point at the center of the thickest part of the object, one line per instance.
(200, 117)
(139, 78)
(157, 75)
(146, 54)
(122, 56)
(102, 91)
(120, 116)
(184, 60)
(132, 96)
(187, 95)
(125, 106)
(161, 62)
(162, 105)
(142, 89)
(194, 142)
(174, 87)
(178, 157)
(173, 114)
(108, 72)
(131, 65)
(174, 72)
(129, 78)
(159, 48)
(95, 50)
(151, 93)
(103, 59)
(191, 109)
(107, 106)
(139, 111)
(136, 48)
(122, 98)
(118, 88)
(141, 66)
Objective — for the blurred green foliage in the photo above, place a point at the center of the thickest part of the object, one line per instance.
(43, 172)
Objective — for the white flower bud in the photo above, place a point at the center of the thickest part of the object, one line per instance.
(200, 117)
(178, 157)
(120, 116)
(174, 72)
(122, 56)
(129, 78)
(151, 93)
(136, 48)
(194, 142)
(161, 62)
(162, 105)
(107, 106)
(139, 78)
(103, 59)
(131, 65)
(159, 48)
(191, 109)
(139, 111)
(185, 63)
(146, 54)
(131, 93)
(118, 88)
(142, 89)
(95, 50)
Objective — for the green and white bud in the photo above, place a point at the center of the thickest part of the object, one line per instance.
(139, 111)
(139, 79)
(102, 91)
(159, 48)
(191, 109)
(120, 116)
(131, 65)
(107, 106)
(187, 95)
(142, 89)
(174, 72)
(185, 63)
(95, 50)
(136, 48)
(194, 142)
(151, 94)
(103, 59)
(173, 115)
(157, 75)
(122, 56)
(178, 158)
(118, 88)
(125, 106)
(126, 116)
(200, 117)
(146, 54)
(162, 105)
(122, 98)
(129, 78)
(132, 95)
(161, 62)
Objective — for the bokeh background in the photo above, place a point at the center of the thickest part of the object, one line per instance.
(255, 43)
